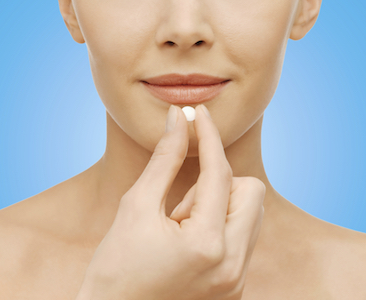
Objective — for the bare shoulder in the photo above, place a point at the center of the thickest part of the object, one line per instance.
(32, 216)
(14, 237)
(52, 215)
(19, 240)
(38, 253)
(25, 229)
(18, 226)
(344, 261)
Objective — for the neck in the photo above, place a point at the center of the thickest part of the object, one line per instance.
(124, 161)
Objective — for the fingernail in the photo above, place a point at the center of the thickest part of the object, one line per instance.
(206, 111)
(171, 119)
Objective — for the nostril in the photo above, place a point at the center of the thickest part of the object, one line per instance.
(199, 43)
(170, 43)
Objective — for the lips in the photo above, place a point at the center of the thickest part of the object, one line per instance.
(185, 89)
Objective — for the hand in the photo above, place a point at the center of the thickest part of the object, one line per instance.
(202, 250)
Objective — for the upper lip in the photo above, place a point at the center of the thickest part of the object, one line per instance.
(190, 79)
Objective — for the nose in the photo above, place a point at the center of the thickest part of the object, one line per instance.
(183, 25)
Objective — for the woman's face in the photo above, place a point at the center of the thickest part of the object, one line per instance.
(129, 41)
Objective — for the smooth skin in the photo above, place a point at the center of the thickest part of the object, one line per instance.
(193, 254)
(51, 238)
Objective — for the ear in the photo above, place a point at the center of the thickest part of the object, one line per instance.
(306, 15)
(69, 16)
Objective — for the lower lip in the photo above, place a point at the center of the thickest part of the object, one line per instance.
(186, 94)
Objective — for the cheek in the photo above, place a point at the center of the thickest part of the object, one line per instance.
(115, 36)
(117, 43)
(255, 34)
(254, 38)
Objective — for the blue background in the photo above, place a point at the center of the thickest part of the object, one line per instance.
(52, 122)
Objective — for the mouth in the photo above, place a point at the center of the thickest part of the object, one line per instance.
(185, 89)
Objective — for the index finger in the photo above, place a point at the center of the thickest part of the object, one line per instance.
(214, 181)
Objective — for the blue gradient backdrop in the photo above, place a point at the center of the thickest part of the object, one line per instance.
(52, 122)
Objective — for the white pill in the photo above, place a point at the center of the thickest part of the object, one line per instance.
(190, 113)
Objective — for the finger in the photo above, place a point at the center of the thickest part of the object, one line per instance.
(245, 213)
(214, 181)
(151, 189)
(183, 209)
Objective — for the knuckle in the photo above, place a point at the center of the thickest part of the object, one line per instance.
(254, 184)
(209, 250)
(227, 278)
